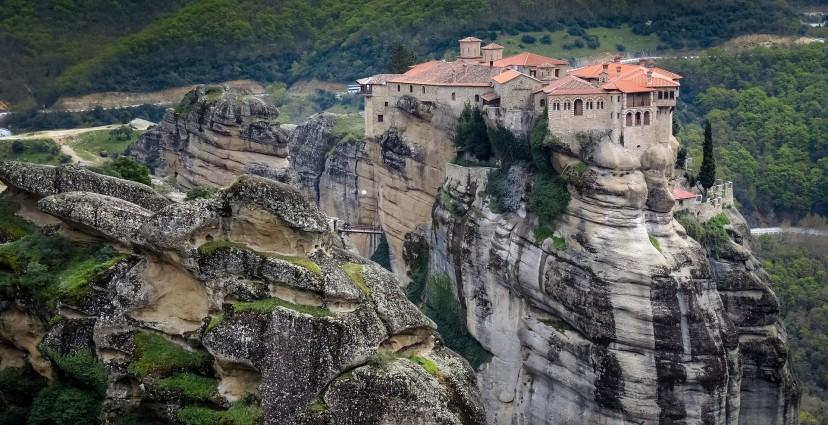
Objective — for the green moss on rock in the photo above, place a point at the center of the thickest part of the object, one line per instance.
(156, 355)
(270, 304)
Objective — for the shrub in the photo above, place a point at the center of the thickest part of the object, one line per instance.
(429, 365)
(548, 198)
(542, 233)
(620, 48)
(12, 227)
(472, 135)
(576, 174)
(355, 271)
(238, 414)
(528, 39)
(546, 39)
(711, 234)
(538, 148)
(382, 255)
(592, 41)
(655, 243)
(123, 132)
(508, 147)
(200, 192)
(59, 404)
(126, 168)
(83, 367)
(19, 387)
(156, 355)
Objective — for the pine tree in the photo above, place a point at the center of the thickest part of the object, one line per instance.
(707, 174)
(401, 59)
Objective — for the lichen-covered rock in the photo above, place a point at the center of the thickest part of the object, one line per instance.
(215, 135)
(46, 180)
(247, 301)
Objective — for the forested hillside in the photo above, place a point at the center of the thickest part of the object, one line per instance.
(768, 111)
(57, 47)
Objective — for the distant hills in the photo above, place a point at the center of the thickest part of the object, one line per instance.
(58, 47)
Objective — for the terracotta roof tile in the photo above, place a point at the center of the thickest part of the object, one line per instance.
(528, 59)
(631, 78)
(440, 73)
(470, 39)
(492, 46)
(571, 85)
(680, 193)
(377, 79)
(509, 75)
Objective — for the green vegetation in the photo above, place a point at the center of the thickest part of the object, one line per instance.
(12, 227)
(472, 136)
(558, 324)
(355, 272)
(317, 406)
(594, 41)
(548, 198)
(707, 174)
(798, 270)
(91, 145)
(50, 268)
(201, 192)
(576, 175)
(381, 255)
(384, 358)
(214, 322)
(18, 389)
(429, 365)
(401, 58)
(711, 233)
(542, 233)
(768, 123)
(559, 243)
(126, 168)
(209, 248)
(158, 356)
(83, 367)
(238, 414)
(655, 243)
(349, 128)
(32, 120)
(270, 304)
(38, 151)
(192, 387)
(60, 404)
(441, 305)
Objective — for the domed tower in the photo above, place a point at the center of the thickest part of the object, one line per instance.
(470, 48)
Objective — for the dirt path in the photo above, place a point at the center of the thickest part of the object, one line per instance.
(64, 139)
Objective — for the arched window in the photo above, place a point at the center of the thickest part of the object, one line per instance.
(567, 105)
(453, 96)
(646, 117)
(477, 98)
(600, 104)
(629, 119)
(579, 107)
(556, 106)
(638, 118)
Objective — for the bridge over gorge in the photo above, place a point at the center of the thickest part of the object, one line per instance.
(365, 237)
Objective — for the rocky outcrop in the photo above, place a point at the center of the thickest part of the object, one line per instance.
(618, 316)
(215, 135)
(252, 292)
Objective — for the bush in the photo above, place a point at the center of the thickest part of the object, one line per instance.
(18, 388)
(472, 135)
(546, 39)
(528, 39)
(548, 198)
(592, 41)
(83, 367)
(382, 255)
(508, 147)
(238, 414)
(192, 387)
(620, 48)
(711, 233)
(126, 168)
(200, 192)
(123, 132)
(59, 404)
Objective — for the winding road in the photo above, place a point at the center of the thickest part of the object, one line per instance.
(796, 230)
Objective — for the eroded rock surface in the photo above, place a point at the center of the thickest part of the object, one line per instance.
(215, 135)
(619, 317)
(252, 292)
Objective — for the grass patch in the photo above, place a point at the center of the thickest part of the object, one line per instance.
(355, 272)
(59, 404)
(270, 304)
(90, 145)
(429, 365)
(127, 169)
(190, 386)
(211, 247)
(710, 233)
(74, 280)
(449, 203)
(608, 38)
(655, 243)
(201, 192)
(317, 406)
(38, 151)
(83, 367)
(12, 227)
(155, 355)
(559, 243)
(237, 414)
(349, 128)
(214, 322)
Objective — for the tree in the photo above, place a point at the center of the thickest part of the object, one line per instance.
(401, 58)
(472, 134)
(707, 174)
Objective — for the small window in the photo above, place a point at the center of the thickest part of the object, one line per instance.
(411, 88)
(380, 118)
(557, 72)
(542, 103)
(638, 118)
(386, 104)
(423, 89)
(579, 107)
(617, 115)
(646, 117)
(660, 95)
(619, 99)
(398, 87)
(672, 95)
(629, 119)
(477, 98)
(453, 96)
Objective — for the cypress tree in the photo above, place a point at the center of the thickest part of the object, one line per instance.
(707, 174)
(401, 58)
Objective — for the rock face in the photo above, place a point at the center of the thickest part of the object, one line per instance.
(252, 291)
(215, 135)
(620, 317)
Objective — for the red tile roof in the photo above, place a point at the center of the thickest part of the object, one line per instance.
(509, 75)
(680, 194)
(571, 85)
(470, 39)
(628, 78)
(377, 79)
(441, 73)
(528, 59)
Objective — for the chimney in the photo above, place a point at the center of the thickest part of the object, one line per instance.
(618, 69)
(642, 62)
(617, 58)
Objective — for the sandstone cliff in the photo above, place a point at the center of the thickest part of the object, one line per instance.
(244, 305)
(619, 317)
(213, 136)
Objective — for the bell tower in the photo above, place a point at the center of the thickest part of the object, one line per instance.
(470, 48)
